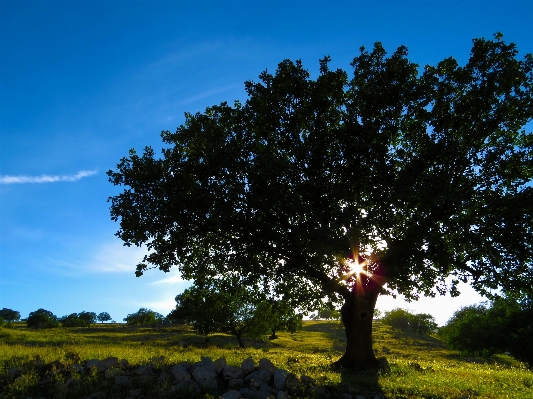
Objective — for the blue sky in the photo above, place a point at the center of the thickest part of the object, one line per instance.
(82, 82)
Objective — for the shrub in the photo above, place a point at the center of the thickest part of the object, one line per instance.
(401, 319)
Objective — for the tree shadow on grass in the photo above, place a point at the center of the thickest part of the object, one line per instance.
(358, 384)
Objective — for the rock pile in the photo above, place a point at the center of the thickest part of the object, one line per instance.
(111, 378)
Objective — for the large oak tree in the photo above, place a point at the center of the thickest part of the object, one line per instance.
(393, 178)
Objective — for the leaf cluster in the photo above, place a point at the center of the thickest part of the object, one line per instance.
(402, 319)
(234, 309)
(82, 319)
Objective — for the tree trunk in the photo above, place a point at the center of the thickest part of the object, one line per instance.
(238, 334)
(357, 314)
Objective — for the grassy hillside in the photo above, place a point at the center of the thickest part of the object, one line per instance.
(420, 367)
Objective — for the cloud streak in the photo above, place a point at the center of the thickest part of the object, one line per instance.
(21, 179)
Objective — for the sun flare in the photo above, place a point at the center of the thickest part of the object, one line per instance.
(356, 267)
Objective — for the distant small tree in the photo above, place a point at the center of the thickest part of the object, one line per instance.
(377, 314)
(1, 322)
(422, 323)
(89, 317)
(73, 320)
(397, 318)
(284, 318)
(9, 315)
(325, 314)
(42, 318)
(103, 316)
(144, 317)
(232, 309)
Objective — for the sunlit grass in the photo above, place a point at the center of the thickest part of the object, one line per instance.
(421, 367)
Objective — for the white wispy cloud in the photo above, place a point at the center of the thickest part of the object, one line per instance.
(168, 280)
(115, 258)
(92, 259)
(22, 179)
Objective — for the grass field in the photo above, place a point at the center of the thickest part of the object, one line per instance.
(420, 367)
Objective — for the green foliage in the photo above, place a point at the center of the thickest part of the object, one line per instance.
(283, 316)
(2, 321)
(284, 185)
(233, 309)
(42, 318)
(103, 316)
(9, 314)
(397, 318)
(505, 325)
(520, 331)
(403, 319)
(82, 319)
(144, 317)
(73, 320)
(327, 314)
(470, 330)
(422, 323)
(89, 317)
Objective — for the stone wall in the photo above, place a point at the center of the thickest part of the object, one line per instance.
(114, 378)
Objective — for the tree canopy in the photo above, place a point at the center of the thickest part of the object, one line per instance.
(394, 178)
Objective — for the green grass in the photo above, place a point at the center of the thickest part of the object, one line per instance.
(421, 367)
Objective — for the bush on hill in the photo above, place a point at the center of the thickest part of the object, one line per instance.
(42, 318)
(73, 320)
(401, 319)
(143, 317)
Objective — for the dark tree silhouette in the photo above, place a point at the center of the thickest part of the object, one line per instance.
(392, 179)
